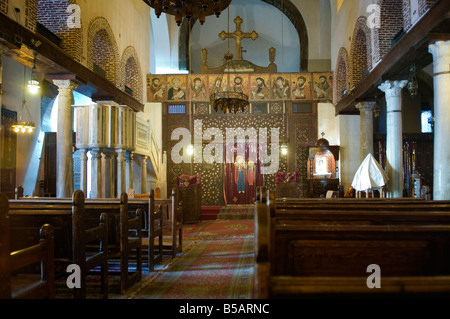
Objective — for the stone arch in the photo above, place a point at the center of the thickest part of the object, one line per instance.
(102, 49)
(391, 23)
(341, 75)
(360, 51)
(288, 8)
(53, 15)
(131, 73)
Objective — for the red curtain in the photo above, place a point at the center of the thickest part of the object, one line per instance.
(242, 173)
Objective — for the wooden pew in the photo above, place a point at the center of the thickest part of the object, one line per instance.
(172, 223)
(12, 284)
(153, 228)
(83, 237)
(74, 235)
(128, 243)
(328, 259)
(124, 233)
(150, 216)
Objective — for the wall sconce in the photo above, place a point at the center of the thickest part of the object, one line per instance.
(190, 150)
(284, 149)
(33, 84)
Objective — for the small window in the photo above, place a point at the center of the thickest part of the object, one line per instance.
(427, 120)
(302, 108)
(177, 109)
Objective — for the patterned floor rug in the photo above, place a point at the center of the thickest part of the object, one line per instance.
(216, 263)
(236, 212)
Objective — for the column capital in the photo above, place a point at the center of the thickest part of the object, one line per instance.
(366, 106)
(439, 48)
(441, 56)
(393, 88)
(96, 152)
(65, 86)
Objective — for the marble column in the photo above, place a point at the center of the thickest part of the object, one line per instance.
(96, 173)
(441, 69)
(144, 175)
(64, 144)
(129, 170)
(366, 128)
(83, 170)
(109, 173)
(394, 137)
(120, 172)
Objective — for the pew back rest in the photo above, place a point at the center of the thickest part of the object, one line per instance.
(40, 254)
(27, 217)
(347, 250)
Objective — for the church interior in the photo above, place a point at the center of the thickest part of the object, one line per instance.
(312, 138)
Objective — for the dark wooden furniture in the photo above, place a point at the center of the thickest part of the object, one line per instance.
(319, 187)
(326, 252)
(79, 239)
(191, 197)
(83, 237)
(111, 206)
(12, 263)
(173, 224)
(155, 232)
(168, 223)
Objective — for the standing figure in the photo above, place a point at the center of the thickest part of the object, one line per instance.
(239, 174)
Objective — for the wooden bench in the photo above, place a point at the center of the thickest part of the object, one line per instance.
(12, 284)
(328, 258)
(124, 236)
(172, 223)
(75, 235)
(112, 206)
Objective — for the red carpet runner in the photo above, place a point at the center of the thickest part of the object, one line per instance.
(216, 263)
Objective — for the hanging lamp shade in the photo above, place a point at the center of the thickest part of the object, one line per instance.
(197, 9)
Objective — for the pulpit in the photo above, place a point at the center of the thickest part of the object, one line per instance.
(322, 168)
(190, 194)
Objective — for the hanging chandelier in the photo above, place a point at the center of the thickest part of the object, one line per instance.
(197, 9)
(228, 100)
(22, 126)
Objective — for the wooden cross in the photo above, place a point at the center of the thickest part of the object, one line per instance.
(238, 35)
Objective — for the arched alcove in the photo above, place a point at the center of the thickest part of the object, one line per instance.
(103, 54)
(361, 51)
(131, 74)
(341, 76)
